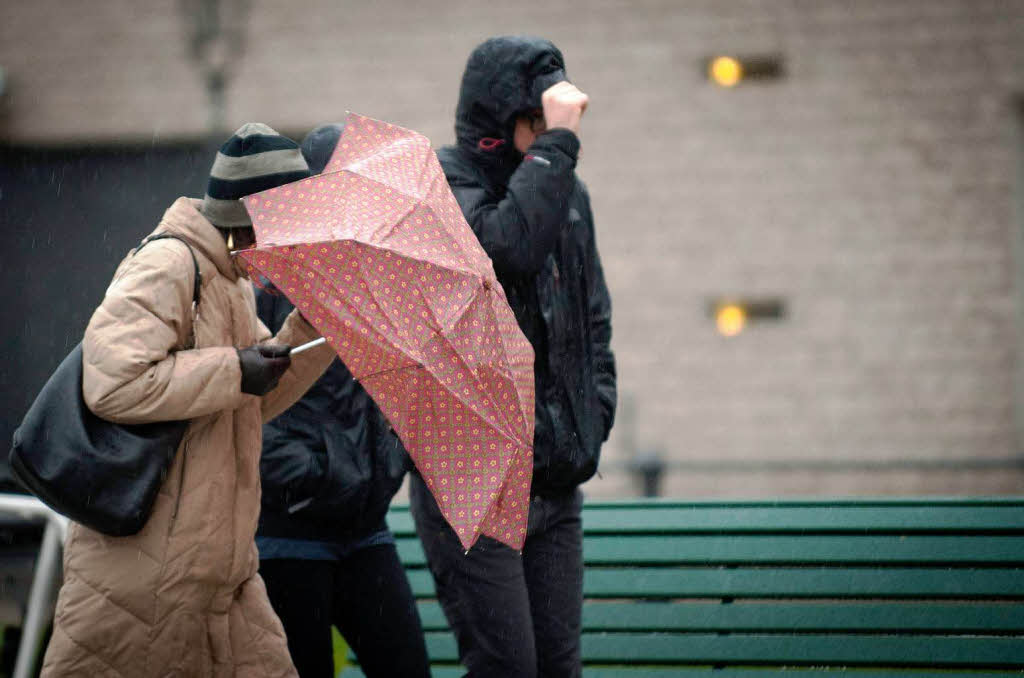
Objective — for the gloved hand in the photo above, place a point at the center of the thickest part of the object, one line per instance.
(262, 367)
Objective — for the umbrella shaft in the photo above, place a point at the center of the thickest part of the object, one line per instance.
(308, 345)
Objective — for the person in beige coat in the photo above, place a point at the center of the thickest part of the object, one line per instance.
(182, 597)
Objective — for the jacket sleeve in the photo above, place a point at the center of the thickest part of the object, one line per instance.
(600, 307)
(272, 307)
(314, 469)
(132, 373)
(305, 369)
(521, 229)
(291, 467)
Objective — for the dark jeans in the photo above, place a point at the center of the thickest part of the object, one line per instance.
(515, 615)
(366, 595)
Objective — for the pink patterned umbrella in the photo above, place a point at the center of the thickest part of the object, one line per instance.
(376, 254)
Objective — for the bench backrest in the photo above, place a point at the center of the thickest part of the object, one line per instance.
(680, 589)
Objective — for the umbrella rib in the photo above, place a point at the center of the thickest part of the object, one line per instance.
(439, 326)
(506, 353)
(385, 309)
(494, 416)
(388, 371)
(465, 309)
(417, 201)
(423, 173)
(270, 248)
(436, 329)
(411, 257)
(346, 170)
(367, 321)
(505, 368)
(397, 221)
(384, 149)
(468, 404)
(496, 412)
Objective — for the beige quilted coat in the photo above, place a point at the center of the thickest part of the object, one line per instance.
(182, 597)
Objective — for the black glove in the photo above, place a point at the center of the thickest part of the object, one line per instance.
(262, 367)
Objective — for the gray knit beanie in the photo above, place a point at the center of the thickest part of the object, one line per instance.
(254, 159)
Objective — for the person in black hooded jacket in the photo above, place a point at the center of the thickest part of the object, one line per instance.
(330, 466)
(512, 172)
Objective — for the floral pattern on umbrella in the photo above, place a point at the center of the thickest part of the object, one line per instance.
(376, 254)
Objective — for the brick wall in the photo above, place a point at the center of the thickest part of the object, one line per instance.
(872, 189)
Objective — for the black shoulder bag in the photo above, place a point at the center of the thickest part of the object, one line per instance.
(98, 473)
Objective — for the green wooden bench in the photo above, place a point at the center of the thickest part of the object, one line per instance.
(752, 589)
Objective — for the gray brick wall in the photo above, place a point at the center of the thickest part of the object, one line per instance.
(872, 189)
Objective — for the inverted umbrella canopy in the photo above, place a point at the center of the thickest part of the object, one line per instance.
(376, 254)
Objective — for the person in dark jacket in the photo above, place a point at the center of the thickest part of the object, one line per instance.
(512, 172)
(330, 466)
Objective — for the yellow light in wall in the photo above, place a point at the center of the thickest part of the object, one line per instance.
(730, 319)
(725, 71)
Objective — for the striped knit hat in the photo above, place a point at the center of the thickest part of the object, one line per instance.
(254, 159)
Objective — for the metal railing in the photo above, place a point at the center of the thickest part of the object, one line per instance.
(46, 578)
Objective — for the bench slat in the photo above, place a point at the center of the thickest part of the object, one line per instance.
(804, 582)
(783, 617)
(816, 549)
(846, 650)
(793, 517)
(795, 617)
(790, 519)
(760, 672)
(785, 583)
(455, 671)
(748, 549)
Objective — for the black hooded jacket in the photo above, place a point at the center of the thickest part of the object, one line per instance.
(532, 216)
(331, 462)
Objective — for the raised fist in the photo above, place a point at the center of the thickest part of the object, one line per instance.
(564, 105)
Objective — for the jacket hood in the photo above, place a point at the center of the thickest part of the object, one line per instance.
(184, 219)
(504, 76)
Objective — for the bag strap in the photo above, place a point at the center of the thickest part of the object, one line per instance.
(197, 280)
